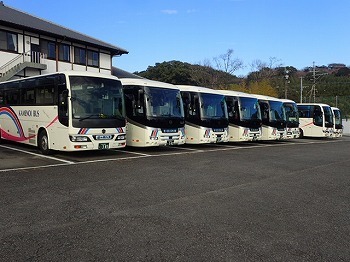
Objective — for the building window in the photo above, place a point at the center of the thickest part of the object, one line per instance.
(8, 41)
(79, 56)
(64, 52)
(93, 58)
(48, 48)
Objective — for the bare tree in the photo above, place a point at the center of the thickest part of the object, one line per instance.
(206, 63)
(261, 70)
(227, 63)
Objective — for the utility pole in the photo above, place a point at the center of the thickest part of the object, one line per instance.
(313, 88)
(301, 89)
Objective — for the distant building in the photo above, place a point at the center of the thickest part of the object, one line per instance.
(31, 46)
(336, 66)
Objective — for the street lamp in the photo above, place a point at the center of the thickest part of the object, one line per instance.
(286, 76)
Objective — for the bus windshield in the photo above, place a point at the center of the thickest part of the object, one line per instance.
(212, 106)
(277, 112)
(249, 109)
(94, 97)
(163, 102)
(337, 117)
(292, 115)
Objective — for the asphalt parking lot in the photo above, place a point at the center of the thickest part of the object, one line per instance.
(266, 201)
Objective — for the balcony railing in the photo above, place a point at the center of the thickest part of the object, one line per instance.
(30, 56)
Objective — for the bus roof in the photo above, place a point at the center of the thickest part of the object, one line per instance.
(268, 98)
(67, 73)
(128, 78)
(198, 89)
(236, 93)
(312, 104)
(146, 82)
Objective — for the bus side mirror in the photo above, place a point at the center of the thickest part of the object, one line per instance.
(63, 98)
(139, 96)
(186, 98)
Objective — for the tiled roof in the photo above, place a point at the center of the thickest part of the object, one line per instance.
(17, 19)
(120, 73)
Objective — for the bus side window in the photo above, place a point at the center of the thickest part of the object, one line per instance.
(318, 119)
(28, 97)
(12, 97)
(2, 98)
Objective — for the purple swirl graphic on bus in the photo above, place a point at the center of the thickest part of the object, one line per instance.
(9, 112)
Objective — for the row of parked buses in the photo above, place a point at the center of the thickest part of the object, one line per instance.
(74, 111)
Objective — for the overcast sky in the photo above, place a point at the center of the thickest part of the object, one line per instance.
(295, 32)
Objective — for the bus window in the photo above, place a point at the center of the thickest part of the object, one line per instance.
(12, 97)
(318, 118)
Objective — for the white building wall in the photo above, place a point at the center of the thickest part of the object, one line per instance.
(6, 57)
(51, 66)
(346, 125)
(105, 61)
(20, 44)
(64, 66)
(24, 46)
(79, 67)
(105, 71)
(93, 69)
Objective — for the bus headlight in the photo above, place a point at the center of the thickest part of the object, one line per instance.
(79, 139)
(120, 137)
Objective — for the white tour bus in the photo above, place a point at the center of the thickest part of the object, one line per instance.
(316, 120)
(67, 111)
(154, 111)
(292, 118)
(337, 122)
(244, 116)
(205, 114)
(273, 117)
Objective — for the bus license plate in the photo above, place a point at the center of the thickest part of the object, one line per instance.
(103, 146)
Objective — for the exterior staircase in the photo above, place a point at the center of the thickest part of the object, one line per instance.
(20, 62)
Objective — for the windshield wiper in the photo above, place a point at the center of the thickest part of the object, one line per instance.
(119, 117)
(90, 116)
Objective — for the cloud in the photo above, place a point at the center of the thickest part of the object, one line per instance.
(190, 11)
(169, 12)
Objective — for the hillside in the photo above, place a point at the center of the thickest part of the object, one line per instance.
(327, 84)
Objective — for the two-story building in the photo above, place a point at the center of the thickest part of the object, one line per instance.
(30, 46)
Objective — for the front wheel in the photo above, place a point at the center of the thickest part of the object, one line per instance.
(43, 143)
(301, 133)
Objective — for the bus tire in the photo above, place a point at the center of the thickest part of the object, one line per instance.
(301, 133)
(43, 143)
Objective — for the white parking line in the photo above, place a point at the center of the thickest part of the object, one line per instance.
(185, 148)
(141, 155)
(34, 167)
(39, 155)
(130, 152)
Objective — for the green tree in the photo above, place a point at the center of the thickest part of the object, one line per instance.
(180, 73)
